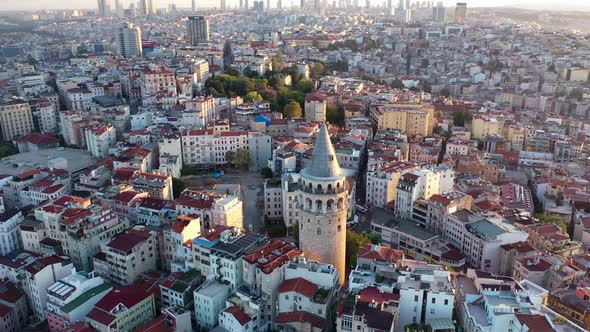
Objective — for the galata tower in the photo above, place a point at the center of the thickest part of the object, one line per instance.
(323, 206)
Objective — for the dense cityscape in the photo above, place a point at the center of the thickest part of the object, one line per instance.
(301, 166)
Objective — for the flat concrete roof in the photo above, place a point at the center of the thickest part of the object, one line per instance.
(76, 160)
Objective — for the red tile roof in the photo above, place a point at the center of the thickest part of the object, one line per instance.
(380, 253)
(9, 292)
(38, 138)
(373, 294)
(100, 316)
(127, 241)
(300, 316)
(272, 255)
(126, 196)
(128, 295)
(299, 285)
(537, 323)
(238, 314)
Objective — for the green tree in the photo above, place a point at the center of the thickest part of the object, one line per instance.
(178, 187)
(577, 94)
(233, 72)
(250, 73)
(267, 172)
(397, 84)
(554, 220)
(353, 242)
(335, 114)
(445, 92)
(243, 159)
(230, 157)
(375, 238)
(292, 110)
(253, 96)
(317, 70)
(460, 118)
(296, 233)
(6, 150)
(304, 86)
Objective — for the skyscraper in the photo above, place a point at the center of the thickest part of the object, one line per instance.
(194, 5)
(439, 12)
(228, 55)
(322, 203)
(119, 8)
(104, 8)
(152, 7)
(147, 7)
(197, 30)
(461, 12)
(222, 5)
(129, 41)
(142, 8)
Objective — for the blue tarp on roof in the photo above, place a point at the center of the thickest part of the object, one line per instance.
(262, 118)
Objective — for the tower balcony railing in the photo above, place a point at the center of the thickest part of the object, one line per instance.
(331, 191)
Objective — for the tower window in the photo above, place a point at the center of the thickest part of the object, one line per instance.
(339, 228)
(319, 231)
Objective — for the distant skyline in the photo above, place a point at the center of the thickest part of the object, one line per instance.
(6, 5)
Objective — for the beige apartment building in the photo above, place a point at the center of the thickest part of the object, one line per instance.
(413, 119)
(16, 119)
(482, 126)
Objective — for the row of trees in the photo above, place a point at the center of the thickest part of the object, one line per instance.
(240, 158)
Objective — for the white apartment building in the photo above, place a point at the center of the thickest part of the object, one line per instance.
(44, 115)
(158, 81)
(16, 119)
(421, 184)
(209, 301)
(264, 270)
(99, 139)
(480, 240)
(381, 184)
(273, 201)
(459, 148)
(71, 298)
(198, 112)
(42, 191)
(260, 149)
(212, 209)
(315, 107)
(289, 184)
(69, 131)
(426, 293)
(10, 238)
(206, 147)
(177, 289)
(38, 276)
(128, 255)
(323, 275)
(176, 256)
(158, 186)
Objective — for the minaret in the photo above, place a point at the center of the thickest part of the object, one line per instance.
(323, 204)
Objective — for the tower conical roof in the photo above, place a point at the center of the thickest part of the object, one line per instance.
(323, 161)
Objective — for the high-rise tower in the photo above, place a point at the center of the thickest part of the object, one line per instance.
(197, 30)
(129, 41)
(104, 8)
(323, 204)
(461, 12)
(439, 12)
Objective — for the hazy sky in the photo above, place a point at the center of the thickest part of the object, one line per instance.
(6, 5)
